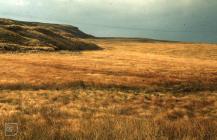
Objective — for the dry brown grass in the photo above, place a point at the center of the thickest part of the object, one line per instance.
(129, 90)
(102, 114)
(119, 65)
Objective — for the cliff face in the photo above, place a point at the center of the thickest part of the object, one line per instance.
(19, 35)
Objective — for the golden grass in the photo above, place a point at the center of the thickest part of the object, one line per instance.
(113, 67)
(103, 114)
(129, 90)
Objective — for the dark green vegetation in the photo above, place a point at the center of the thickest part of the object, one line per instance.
(29, 36)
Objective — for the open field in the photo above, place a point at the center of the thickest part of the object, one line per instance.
(132, 89)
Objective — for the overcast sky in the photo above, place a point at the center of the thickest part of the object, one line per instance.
(184, 20)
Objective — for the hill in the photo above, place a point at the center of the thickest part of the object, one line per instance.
(23, 36)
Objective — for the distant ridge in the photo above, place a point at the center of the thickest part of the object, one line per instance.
(24, 36)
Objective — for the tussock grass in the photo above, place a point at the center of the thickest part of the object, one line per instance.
(128, 90)
(99, 114)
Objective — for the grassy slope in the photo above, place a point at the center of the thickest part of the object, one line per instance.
(129, 90)
(152, 67)
(30, 36)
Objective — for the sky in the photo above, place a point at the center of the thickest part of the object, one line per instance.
(181, 20)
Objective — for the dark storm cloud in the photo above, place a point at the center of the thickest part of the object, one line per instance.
(189, 20)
